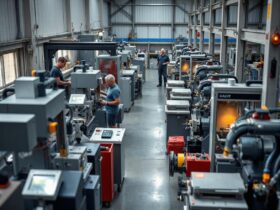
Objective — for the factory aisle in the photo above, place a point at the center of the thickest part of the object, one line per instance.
(147, 185)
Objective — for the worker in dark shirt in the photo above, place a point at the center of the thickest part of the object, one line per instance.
(112, 100)
(57, 73)
(163, 60)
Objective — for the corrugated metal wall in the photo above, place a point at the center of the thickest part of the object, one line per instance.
(94, 14)
(8, 29)
(78, 15)
(151, 14)
(253, 15)
(50, 16)
(105, 21)
(120, 16)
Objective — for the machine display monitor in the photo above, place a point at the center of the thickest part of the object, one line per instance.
(42, 184)
(77, 99)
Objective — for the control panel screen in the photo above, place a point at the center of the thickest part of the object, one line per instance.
(42, 184)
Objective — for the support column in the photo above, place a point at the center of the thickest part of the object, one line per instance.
(201, 39)
(173, 19)
(211, 44)
(223, 46)
(270, 94)
(133, 17)
(240, 45)
(195, 24)
(190, 31)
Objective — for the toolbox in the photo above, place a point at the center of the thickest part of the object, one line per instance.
(176, 144)
(197, 162)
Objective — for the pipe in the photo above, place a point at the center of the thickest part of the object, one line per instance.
(6, 91)
(250, 82)
(223, 76)
(276, 165)
(71, 112)
(250, 126)
(208, 68)
(204, 84)
(270, 159)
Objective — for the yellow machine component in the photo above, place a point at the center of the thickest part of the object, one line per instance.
(264, 107)
(33, 73)
(266, 178)
(226, 152)
(63, 152)
(180, 160)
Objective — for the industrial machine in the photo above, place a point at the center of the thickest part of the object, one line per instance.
(84, 102)
(141, 63)
(215, 191)
(229, 102)
(173, 84)
(126, 93)
(126, 58)
(49, 113)
(188, 63)
(180, 94)
(54, 189)
(132, 74)
(113, 136)
(51, 150)
(109, 65)
(254, 142)
(177, 112)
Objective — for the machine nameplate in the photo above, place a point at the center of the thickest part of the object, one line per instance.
(239, 96)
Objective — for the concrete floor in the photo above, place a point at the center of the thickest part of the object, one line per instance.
(147, 185)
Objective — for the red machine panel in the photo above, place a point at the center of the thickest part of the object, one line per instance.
(107, 173)
(176, 144)
(197, 162)
(108, 66)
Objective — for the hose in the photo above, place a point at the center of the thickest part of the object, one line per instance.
(223, 76)
(251, 127)
(270, 159)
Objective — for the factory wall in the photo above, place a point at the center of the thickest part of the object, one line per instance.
(8, 22)
(158, 19)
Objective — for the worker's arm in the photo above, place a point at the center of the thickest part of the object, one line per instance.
(59, 82)
(116, 102)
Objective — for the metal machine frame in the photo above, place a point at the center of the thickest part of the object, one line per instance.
(50, 48)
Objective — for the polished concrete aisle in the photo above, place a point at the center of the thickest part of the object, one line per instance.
(147, 185)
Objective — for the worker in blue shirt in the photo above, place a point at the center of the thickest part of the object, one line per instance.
(112, 100)
(163, 60)
(57, 73)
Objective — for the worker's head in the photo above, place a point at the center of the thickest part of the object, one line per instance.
(110, 80)
(61, 62)
(162, 51)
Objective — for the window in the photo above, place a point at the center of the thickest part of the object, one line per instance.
(9, 70)
(69, 55)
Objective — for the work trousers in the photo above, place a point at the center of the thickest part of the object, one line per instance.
(162, 73)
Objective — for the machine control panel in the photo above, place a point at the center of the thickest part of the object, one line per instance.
(42, 184)
(114, 135)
